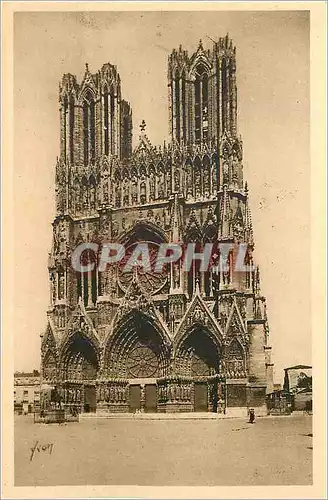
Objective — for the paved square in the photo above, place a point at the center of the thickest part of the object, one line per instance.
(273, 451)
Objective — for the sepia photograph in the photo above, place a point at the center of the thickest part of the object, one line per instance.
(161, 228)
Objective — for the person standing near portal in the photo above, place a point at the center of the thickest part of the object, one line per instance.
(251, 416)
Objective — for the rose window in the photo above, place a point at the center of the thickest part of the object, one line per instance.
(150, 280)
(142, 362)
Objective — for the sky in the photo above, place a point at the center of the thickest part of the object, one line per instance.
(273, 120)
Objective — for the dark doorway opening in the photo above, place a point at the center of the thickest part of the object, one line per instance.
(135, 398)
(90, 399)
(200, 397)
(151, 398)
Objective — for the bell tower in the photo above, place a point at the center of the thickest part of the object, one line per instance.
(94, 118)
(203, 93)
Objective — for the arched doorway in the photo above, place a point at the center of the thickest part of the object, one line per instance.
(140, 353)
(198, 358)
(80, 366)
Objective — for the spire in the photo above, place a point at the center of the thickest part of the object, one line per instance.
(196, 289)
(142, 127)
(87, 71)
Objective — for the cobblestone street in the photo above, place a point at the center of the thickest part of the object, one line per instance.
(273, 451)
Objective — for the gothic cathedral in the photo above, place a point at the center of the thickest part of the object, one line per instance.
(173, 341)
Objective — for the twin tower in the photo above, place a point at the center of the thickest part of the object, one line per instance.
(173, 341)
(202, 91)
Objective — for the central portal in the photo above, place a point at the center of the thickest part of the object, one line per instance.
(138, 349)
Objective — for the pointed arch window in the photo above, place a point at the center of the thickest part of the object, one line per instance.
(112, 111)
(205, 107)
(87, 281)
(106, 122)
(184, 124)
(64, 118)
(201, 104)
(224, 94)
(88, 128)
(177, 105)
(71, 128)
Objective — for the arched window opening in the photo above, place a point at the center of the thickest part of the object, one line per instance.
(205, 107)
(92, 131)
(88, 129)
(194, 274)
(64, 118)
(224, 94)
(184, 124)
(201, 104)
(86, 132)
(197, 109)
(177, 105)
(106, 122)
(112, 109)
(87, 282)
(71, 129)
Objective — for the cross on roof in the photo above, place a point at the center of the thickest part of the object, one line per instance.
(142, 126)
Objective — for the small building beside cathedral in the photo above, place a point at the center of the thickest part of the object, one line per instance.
(169, 341)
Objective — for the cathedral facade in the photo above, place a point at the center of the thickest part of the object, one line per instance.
(170, 341)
